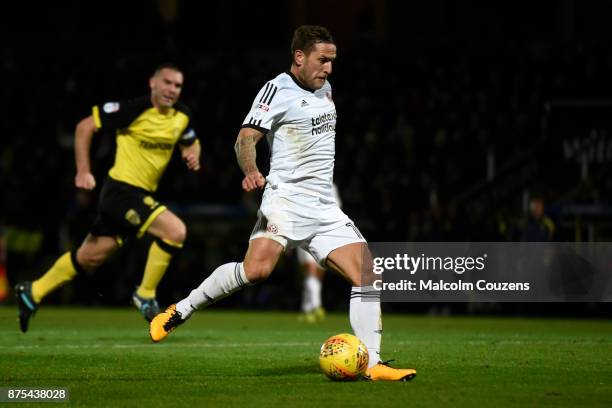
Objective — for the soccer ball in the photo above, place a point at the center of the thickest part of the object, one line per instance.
(343, 357)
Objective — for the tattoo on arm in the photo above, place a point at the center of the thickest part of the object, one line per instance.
(246, 153)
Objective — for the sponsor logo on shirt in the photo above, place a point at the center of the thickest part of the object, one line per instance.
(324, 123)
(260, 110)
(156, 145)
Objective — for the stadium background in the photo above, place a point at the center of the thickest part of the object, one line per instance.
(451, 116)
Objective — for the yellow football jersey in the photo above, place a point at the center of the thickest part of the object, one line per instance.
(145, 138)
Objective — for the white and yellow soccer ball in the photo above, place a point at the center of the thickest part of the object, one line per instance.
(343, 357)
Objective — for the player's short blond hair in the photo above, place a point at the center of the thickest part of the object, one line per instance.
(305, 37)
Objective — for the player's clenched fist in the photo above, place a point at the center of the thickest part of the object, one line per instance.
(192, 161)
(253, 181)
(86, 181)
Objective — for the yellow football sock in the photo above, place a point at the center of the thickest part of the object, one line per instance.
(61, 272)
(157, 263)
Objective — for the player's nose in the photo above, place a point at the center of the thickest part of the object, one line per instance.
(327, 67)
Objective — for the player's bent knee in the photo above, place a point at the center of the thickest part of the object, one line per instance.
(178, 232)
(96, 261)
(87, 261)
(257, 272)
(261, 258)
(355, 277)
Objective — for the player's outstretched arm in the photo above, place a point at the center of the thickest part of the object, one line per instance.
(82, 143)
(246, 154)
(191, 155)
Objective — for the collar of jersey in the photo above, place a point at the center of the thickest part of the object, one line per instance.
(298, 83)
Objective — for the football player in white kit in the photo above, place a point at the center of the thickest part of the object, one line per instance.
(296, 112)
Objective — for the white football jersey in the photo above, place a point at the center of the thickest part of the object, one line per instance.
(300, 127)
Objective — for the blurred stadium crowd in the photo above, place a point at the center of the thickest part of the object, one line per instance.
(440, 137)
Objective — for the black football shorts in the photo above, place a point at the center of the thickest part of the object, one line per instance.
(124, 210)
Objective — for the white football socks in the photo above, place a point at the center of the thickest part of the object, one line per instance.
(224, 281)
(311, 294)
(365, 319)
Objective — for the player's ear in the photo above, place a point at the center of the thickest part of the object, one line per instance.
(152, 82)
(298, 57)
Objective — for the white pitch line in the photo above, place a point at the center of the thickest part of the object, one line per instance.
(125, 346)
(491, 342)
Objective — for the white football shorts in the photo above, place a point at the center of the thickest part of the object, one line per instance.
(300, 220)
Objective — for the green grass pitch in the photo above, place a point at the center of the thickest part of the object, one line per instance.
(244, 359)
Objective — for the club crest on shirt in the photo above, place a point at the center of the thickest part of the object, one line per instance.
(110, 107)
(273, 228)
